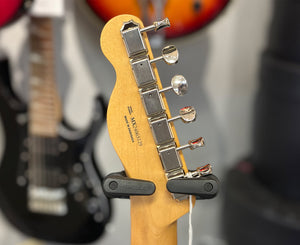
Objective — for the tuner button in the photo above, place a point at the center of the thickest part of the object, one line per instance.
(196, 143)
(178, 84)
(169, 54)
(192, 144)
(205, 170)
(186, 114)
(199, 172)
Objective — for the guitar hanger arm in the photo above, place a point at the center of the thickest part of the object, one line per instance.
(118, 185)
(205, 187)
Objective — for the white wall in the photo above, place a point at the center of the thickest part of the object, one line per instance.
(220, 63)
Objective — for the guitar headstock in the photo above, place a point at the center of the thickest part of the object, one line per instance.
(140, 124)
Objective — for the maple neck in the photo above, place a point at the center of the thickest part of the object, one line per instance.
(44, 104)
(145, 228)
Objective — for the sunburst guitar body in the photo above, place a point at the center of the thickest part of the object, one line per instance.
(186, 16)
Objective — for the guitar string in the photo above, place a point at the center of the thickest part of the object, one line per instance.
(43, 144)
(40, 164)
(43, 159)
(190, 220)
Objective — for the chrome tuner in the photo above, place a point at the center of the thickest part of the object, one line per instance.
(186, 114)
(192, 144)
(169, 54)
(157, 25)
(178, 84)
(132, 36)
(160, 127)
(199, 172)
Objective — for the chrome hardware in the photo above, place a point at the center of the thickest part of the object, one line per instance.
(143, 72)
(175, 173)
(152, 101)
(170, 158)
(186, 114)
(169, 54)
(161, 131)
(157, 25)
(201, 171)
(47, 200)
(133, 39)
(132, 36)
(178, 84)
(192, 144)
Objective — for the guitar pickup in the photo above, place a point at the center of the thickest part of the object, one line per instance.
(46, 200)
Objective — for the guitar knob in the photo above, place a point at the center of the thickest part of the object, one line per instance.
(199, 172)
(192, 144)
(178, 84)
(186, 114)
(157, 25)
(169, 54)
(204, 170)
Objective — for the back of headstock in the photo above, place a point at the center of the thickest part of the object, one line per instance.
(141, 127)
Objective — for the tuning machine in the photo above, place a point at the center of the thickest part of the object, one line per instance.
(200, 172)
(192, 144)
(160, 126)
(132, 36)
(157, 25)
(143, 71)
(178, 84)
(186, 114)
(170, 158)
(169, 55)
(152, 100)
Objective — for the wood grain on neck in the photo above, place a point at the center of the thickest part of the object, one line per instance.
(44, 103)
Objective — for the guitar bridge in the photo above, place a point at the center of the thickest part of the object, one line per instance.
(44, 200)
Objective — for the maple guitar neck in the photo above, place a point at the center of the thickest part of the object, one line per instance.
(153, 218)
(44, 103)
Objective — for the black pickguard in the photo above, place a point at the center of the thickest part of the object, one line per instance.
(88, 211)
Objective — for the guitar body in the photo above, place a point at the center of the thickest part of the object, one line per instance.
(185, 16)
(88, 210)
(10, 10)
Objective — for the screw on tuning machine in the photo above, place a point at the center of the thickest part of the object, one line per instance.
(186, 114)
(178, 84)
(192, 144)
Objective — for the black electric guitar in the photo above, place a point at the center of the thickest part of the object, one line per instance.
(50, 187)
